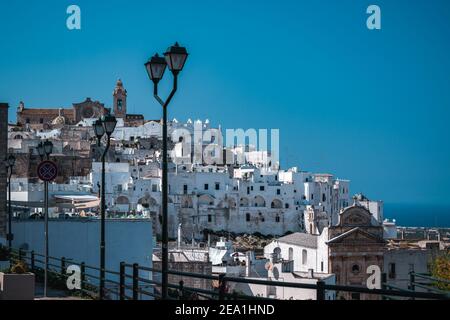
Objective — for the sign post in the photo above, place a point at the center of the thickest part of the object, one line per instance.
(46, 171)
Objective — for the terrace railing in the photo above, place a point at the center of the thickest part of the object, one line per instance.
(135, 282)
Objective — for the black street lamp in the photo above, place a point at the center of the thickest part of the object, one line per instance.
(45, 149)
(10, 161)
(105, 125)
(175, 58)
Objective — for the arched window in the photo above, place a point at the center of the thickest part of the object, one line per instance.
(291, 254)
(259, 201)
(276, 204)
(304, 257)
(122, 200)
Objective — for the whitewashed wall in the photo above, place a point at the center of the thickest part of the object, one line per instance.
(128, 240)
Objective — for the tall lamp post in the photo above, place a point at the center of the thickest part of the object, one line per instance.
(45, 149)
(105, 125)
(174, 58)
(10, 161)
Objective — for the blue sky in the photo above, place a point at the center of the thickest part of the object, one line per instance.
(370, 106)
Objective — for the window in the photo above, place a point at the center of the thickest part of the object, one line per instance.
(119, 104)
(27, 120)
(324, 198)
(41, 120)
(261, 188)
(312, 196)
(391, 271)
(355, 268)
(185, 189)
(304, 257)
(286, 205)
(278, 191)
(247, 217)
(321, 266)
(291, 254)
(154, 188)
(217, 186)
(209, 218)
(277, 219)
(206, 186)
(248, 190)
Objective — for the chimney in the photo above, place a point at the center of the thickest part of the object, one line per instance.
(311, 273)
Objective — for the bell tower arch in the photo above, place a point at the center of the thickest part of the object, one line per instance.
(120, 100)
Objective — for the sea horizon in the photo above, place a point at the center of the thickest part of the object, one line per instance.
(418, 215)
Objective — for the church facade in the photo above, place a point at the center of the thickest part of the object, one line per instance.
(48, 118)
(354, 244)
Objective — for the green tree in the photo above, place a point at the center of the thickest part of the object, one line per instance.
(440, 268)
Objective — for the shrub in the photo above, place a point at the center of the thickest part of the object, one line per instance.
(19, 268)
(440, 268)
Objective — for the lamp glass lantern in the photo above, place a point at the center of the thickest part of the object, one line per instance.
(156, 67)
(11, 160)
(99, 129)
(48, 147)
(176, 58)
(109, 124)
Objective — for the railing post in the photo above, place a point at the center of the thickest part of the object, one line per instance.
(122, 281)
(63, 265)
(383, 284)
(222, 286)
(32, 262)
(181, 291)
(82, 274)
(320, 290)
(412, 279)
(135, 281)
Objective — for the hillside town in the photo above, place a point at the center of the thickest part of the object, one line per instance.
(246, 217)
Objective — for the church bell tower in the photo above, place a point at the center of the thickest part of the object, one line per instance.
(120, 100)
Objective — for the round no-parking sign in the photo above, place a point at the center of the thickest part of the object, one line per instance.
(47, 170)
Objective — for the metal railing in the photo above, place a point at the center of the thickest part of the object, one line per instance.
(130, 284)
